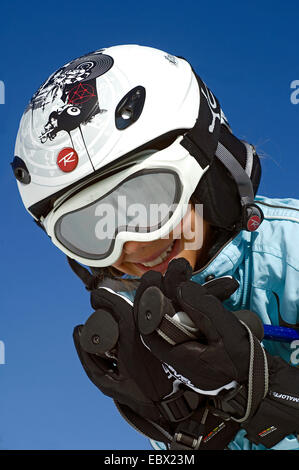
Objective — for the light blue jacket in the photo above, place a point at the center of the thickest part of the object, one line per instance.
(266, 264)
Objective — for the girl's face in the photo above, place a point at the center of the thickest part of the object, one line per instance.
(191, 244)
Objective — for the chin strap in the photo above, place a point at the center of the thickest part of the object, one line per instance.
(89, 280)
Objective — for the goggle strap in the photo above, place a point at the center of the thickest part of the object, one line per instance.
(201, 141)
(241, 178)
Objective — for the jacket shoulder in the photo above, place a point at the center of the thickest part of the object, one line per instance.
(287, 208)
(278, 235)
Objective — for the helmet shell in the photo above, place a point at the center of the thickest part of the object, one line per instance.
(69, 129)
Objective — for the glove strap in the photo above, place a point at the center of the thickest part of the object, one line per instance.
(231, 405)
(258, 377)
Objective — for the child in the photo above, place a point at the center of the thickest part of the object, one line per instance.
(144, 182)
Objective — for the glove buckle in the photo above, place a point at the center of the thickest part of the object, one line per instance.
(186, 441)
(228, 404)
(180, 406)
(188, 435)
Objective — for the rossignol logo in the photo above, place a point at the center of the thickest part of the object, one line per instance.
(267, 431)
(253, 223)
(67, 159)
(283, 397)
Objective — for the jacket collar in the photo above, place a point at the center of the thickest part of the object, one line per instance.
(227, 261)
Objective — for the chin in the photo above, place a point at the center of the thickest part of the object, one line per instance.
(136, 270)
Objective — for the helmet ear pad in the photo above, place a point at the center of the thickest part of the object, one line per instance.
(217, 190)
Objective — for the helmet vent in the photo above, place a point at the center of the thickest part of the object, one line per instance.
(126, 114)
(20, 170)
(130, 108)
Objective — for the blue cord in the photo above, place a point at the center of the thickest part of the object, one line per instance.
(280, 333)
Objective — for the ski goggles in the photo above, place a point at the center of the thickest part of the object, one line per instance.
(142, 203)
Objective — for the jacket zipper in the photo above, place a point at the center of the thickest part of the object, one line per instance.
(215, 255)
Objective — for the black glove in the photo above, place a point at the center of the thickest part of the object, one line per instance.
(114, 357)
(121, 366)
(223, 351)
(217, 360)
(117, 362)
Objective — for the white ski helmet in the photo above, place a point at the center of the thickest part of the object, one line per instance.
(135, 118)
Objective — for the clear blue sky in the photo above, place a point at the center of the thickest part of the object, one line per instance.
(247, 52)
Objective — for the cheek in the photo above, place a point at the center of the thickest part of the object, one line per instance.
(190, 228)
(180, 229)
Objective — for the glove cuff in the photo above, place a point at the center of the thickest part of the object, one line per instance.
(275, 416)
(278, 414)
(271, 423)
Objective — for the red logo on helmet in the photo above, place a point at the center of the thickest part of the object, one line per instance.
(253, 223)
(67, 159)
